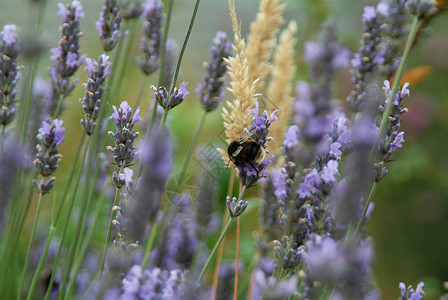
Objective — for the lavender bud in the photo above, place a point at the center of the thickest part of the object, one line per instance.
(9, 73)
(47, 154)
(130, 9)
(409, 293)
(369, 57)
(66, 57)
(124, 150)
(395, 14)
(178, 96)
(109, 25)
(392, 138)
(98, 72)
(151, 44)
(211, 90)
(236, 208)
(421, 8)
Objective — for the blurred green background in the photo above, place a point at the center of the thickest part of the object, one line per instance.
(409, 225)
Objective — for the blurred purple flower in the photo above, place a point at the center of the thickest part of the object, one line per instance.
(151, 43)
(211, 90)
(9, 73)
(109, 25)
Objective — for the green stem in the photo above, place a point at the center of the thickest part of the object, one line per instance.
(218, 242)
(59, 106)
(41, 263)
(30, 244)
(221, 237)
(140, 90)
(124, 56)
(83, 249)
(70, 177)
(412, 33)
(184, 45)
(109, 230)
(67, 221)
(407, 48)
(81, 215)
(190, 150)
(366, 207)
(25, 111)
(164, 116)
(149, 246)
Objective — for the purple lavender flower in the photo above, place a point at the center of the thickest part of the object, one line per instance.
(392, 138)
(236, 208)
(211, 90)
(345, 265)
(151, 44)
(124, 150)
(109, 25)
(47, 154)
(66, 57)
(325, 56)
(9, 73)
(365, 63)
(409, 293)
(176, 98)
(206, 217)
(150, 284)
(227, 279)
(144, 203)
(395, 14)
(98, 72)
(422, 8)
(329, 172)
(274, 187)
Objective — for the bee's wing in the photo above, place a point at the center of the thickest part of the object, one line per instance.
(247, 135)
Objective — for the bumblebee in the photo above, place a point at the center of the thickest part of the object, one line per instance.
(245, 152)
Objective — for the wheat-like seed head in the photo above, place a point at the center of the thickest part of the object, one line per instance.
(261, 39)
(237, 115)
(280, 89)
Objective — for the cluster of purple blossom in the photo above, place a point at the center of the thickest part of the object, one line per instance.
(314, 207)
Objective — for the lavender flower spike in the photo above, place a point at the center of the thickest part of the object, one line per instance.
(9, 73)
(144, 203)
(422, 8)
(236, 208)
(151, 44)
(124, 150)
(174, 100)
(365, 63)
(66, 57)
(109, 25)
(98, 72)
(47, 153)
(409, 293)
(211, 90)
